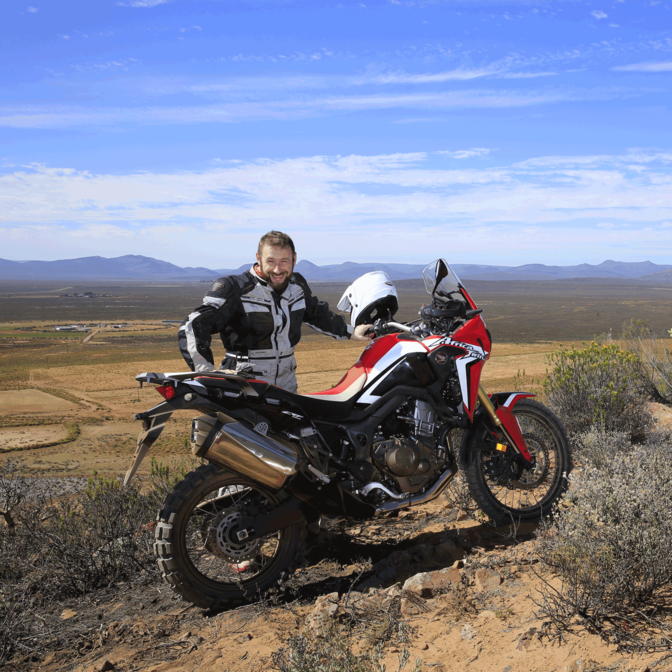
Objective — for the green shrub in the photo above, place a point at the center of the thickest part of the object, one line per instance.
(598, 386)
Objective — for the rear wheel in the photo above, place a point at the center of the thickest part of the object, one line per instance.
(197, 553)
(508, 494)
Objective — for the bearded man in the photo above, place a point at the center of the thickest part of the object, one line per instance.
(258, 315)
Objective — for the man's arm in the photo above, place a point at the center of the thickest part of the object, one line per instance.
(318, 316)
(195, 334)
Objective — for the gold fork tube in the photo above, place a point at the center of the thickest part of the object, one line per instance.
(487, 404)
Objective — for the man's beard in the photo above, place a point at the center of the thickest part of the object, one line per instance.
(278, 287)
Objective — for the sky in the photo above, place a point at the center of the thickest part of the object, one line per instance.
(483, 131)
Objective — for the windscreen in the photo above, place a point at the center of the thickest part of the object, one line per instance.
(449, 283)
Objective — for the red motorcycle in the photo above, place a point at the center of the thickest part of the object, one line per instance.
(381, 440)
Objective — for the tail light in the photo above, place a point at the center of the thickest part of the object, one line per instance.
(166, 391)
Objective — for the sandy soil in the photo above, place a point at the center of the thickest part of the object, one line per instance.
(32, 401)
(478, 625)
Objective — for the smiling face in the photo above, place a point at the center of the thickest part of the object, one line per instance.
(275, 265)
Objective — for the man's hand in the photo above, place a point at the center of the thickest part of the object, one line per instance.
(359, 335)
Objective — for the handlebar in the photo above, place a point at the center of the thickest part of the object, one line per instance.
(380, 328)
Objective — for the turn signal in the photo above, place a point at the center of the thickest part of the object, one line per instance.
(501, 447)
(166, 391)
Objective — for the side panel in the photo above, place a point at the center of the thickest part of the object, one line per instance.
(381, 358)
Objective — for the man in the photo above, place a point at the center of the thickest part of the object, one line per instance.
(258, 315)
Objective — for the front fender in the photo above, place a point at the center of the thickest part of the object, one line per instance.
(503, 403)
(508, 399)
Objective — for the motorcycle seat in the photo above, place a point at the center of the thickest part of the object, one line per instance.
(350, 385)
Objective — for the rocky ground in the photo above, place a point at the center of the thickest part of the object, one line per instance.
(431, 588)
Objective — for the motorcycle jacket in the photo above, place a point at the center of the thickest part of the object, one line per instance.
(258, 327)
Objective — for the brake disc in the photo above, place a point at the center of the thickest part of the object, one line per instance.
(531, 478)
(221, 543)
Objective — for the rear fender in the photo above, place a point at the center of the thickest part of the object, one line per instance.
(155, 419)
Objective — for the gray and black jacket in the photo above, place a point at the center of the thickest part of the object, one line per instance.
(258, 327)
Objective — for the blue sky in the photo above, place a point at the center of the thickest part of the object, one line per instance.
(484, 131)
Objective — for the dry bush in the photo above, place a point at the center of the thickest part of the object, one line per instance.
(656, 369)
(598, 387)
(55, 546)
(597, 447)
(611, 544)
(333, 652)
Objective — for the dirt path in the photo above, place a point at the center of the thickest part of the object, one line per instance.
(90, 335)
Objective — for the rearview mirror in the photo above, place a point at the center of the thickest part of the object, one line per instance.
(440, 272)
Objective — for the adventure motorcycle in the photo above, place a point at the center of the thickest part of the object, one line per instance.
(382, 439)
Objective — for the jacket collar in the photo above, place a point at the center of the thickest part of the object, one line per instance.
(258, 279)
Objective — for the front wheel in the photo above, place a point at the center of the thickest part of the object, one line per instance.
(197, 552)
(505, 494)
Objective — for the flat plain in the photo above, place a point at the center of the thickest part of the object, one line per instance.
(50, 379)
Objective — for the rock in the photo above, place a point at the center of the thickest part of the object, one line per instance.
(576, 666)
(67, 614)
(423, 552)
(448, 552)
(487, 579)
(243, 639)
(387, 574)
(462, 515)
(469, 631)
(458, 564)
(394, 590)
(326, 609)
(426, 584)
(399, 558)
(525, 640)
(370, 584)
(107, 666)
(412, 605)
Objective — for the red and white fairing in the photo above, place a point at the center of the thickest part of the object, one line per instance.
(469, 345)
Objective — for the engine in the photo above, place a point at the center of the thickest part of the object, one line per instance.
(406, 449)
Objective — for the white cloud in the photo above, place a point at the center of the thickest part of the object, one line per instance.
(664, 66)
(466, 153)
(294, 108)
(598, 14)
(141, 3)
(401, 205)
(33, 10)
(528, 75)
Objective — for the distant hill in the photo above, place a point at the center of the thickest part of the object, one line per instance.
(138, 267)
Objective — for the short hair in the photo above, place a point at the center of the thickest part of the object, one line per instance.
(276, 239)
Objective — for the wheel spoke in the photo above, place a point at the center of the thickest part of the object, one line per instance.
(499, 486)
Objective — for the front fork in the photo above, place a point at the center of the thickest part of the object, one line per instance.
(505, 422)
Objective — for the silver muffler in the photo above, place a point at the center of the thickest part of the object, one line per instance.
(232, 445)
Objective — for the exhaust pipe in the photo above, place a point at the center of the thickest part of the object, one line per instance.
(422, 498)
(232, 445)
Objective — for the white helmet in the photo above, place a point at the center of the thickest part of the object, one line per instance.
(372, 292)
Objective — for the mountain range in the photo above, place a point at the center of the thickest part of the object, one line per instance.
(138, 267)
